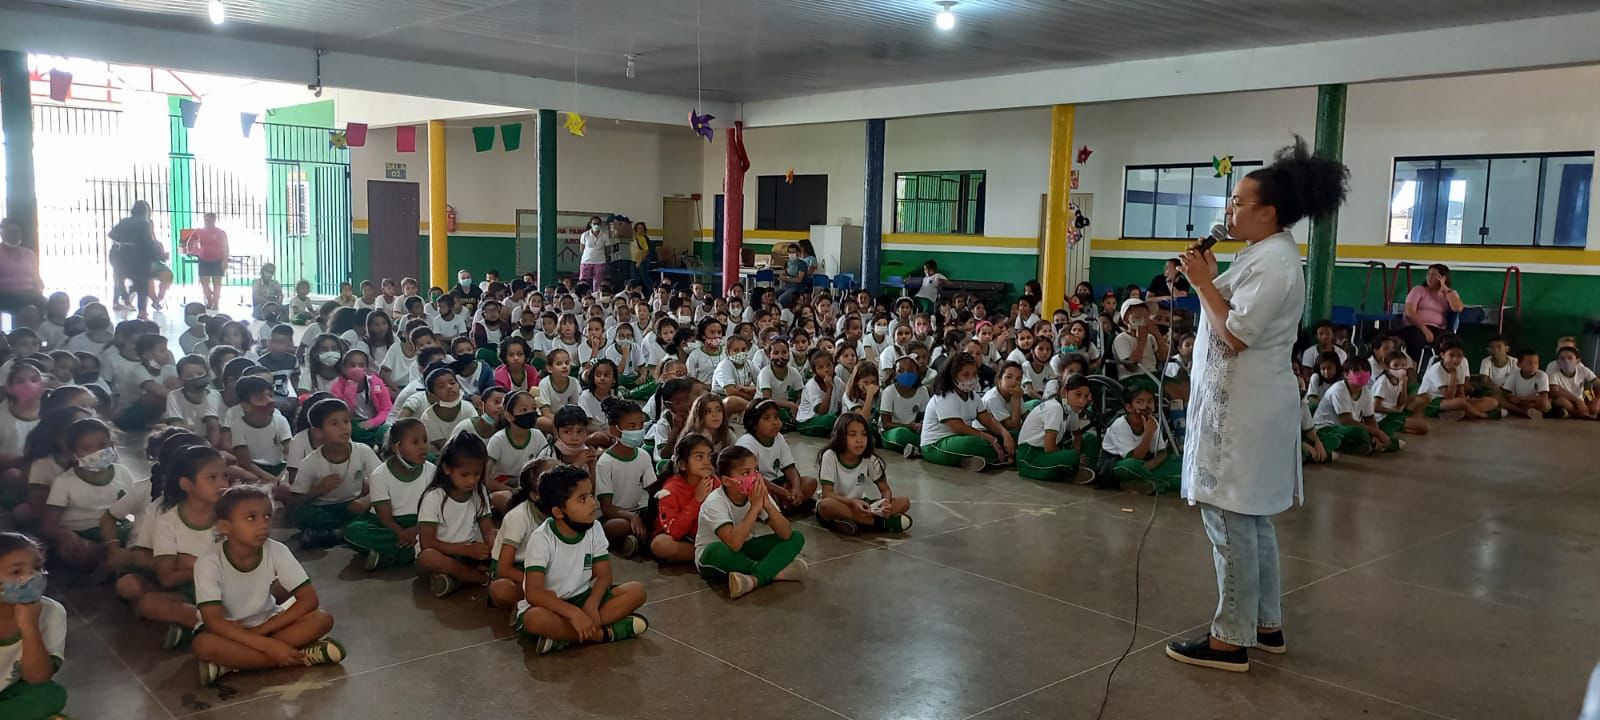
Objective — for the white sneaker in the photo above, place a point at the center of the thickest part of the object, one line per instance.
(909, 451)
(630, 547)
(1534, 414)
(210, 672)
(973, 463)
(795, 571)
(740, 584)
(1333, 456)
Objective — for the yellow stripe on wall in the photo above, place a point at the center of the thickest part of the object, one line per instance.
(969, 242)
(1413, 253)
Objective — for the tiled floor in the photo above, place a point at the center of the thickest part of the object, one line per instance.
(1458, 579)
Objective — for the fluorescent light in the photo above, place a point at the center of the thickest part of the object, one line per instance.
(217, 12)
(945, 20)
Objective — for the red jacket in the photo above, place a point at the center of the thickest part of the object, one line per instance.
(679, 514)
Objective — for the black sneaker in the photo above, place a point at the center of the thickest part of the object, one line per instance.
(1271, 642)
(1198, 652)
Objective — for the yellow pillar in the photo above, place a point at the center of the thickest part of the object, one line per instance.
(1053, 261)
(438, 221)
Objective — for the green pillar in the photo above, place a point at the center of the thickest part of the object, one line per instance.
(16, 120)
(547, 198)
(1321, 252)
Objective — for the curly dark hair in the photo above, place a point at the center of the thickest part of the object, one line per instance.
(1299, 184)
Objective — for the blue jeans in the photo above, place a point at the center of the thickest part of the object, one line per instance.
(1249, 582)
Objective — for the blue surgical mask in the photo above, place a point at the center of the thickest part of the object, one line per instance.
(24, 592)
(632, 438)
(906, 379)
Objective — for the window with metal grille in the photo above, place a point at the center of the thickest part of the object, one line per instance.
(1176, 201)
(1526, 200)
(945, 203)
(299, 203)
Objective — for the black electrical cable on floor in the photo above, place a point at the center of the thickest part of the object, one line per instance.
(1133, 634)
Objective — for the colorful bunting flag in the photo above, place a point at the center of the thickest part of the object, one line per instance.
(60, 85)
(247, 122)
(355, 134)
(511, 136)
(483, 138)
(189, 110)
(405, 139)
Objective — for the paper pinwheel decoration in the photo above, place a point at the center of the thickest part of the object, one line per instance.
(575, 124)
(1083, 154)
(1223, 165)
(701, 124)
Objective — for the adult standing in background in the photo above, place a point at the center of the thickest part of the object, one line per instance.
(209, 246)
(134, 255)
(1426, 308)
(644, 255)
(592, 265)
(1241, 459)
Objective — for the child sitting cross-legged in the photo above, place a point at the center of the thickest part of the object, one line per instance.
(1527, 390)
(244, 627)
(742, 537)
(1572, 386)
(566, 574)
(679, 499)
(522, 516)
(1392, 400)
(1446, 387)
(1345, 419)
(80, 496)
(331, 487)
(454, 518)
(182, 533)
(1052, 445)
(774, 460)
(387, 535)
(1136, 448)
(845, 468)
(623, 477)
(37, 630)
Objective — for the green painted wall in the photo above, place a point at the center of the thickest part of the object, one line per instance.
(1550, 307)
(963, 264)
(473, 252)
(312, 114)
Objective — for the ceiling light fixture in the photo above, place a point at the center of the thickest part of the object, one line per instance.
(631, 56)
(945, 20)
(217, 12)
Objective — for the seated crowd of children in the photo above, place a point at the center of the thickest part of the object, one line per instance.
(515, 438)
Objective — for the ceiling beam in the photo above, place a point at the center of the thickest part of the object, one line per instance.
(70, 34)
(1514, 45)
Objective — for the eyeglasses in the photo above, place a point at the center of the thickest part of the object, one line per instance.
(1234, 202)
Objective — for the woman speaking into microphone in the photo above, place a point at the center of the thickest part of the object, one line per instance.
(1241, 460)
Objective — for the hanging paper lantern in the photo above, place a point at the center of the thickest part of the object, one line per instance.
(575, 124)
(1223, 165)
(701, 124)
(355, 134)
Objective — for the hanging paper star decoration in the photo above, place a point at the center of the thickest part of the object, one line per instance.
(788, 177)
(575, 124)
(337, 139)
(1223, 165)
(1083, 154)
(701, 124)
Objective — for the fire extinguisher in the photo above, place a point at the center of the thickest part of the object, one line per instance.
(450, 218)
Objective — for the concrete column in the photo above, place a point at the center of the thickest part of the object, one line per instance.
(1321, 252)
(16, 116)
(872, 224)
(1053, 262)
(548, 242)
(733, 206)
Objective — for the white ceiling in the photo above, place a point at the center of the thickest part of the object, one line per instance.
(761, 49)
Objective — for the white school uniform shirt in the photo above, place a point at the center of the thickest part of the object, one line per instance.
(52, 629)
(625, 480)
(53, 336)
(83, 343)
(594, 406)
(470, 425)
(702, 365)
(353, 473)
(14, 431)
(771, 458)
(506, 458)
(354, 342)
(1519, 386)
(1309, 357)
(787, 387)
(567, 562)
(245, 594)
(82, 502)
(1497, 375)
(557, 399)
(1580, 379)
(189, 341)
(997, 405)
(903, 409)
(729, 373)
(454, 326)
(628, 363)
(1120, 438)
(849, 481)
(1123, 347)
(949, 406)
(572, 348)
(1317, 386)
(44, 471)
(456, 522)
(265, 443)
(654, 351)
(1243, 449)
(718, 511)
(814, 402)
(1050, 415)
(1388, 390)
(1437, 379)
(930, 287)
(135, 505)
(515, 527)
(439, 429)
(299, 448)
(1042, 380)
(172, 535)
(403, 496)
(401, 368)
(193, 414)
(1339, 401)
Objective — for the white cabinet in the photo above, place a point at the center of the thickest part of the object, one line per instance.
(838, 249)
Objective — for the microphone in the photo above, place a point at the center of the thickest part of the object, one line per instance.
(1219, 232)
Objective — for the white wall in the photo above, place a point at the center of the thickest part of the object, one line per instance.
(626, 168)
(1011, 146)
(838, 150)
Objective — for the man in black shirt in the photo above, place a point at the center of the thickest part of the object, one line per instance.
(1168, 285)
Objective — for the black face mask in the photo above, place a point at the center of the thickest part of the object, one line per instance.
(526, 421)
(460, 364)
(580, 527)
(85, 378)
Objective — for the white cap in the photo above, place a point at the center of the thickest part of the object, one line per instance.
(1129, 304)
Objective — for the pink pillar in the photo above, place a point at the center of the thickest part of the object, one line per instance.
(733, 206)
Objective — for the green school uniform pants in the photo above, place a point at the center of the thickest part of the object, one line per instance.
(764, 557)
(24, 701)
(952, 450)
(819, 425)
(365, 534)
(898, 437)
(311, 516)
(1036, 464)
(1166, 477)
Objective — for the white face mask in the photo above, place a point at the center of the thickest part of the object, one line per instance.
(450, 403)
(595, 227)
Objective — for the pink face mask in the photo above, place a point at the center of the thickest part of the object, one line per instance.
(1358, 378)
(27, 392)
(355, 374)
(746, 483)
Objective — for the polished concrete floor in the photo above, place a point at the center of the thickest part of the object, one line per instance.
(1458, 579)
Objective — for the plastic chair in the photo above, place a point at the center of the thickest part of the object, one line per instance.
(764, 277)
(821, 281)
(844, 281)
(1343, 315)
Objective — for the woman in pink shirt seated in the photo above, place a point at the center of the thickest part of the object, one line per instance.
(1426, 309)
(19, 270)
